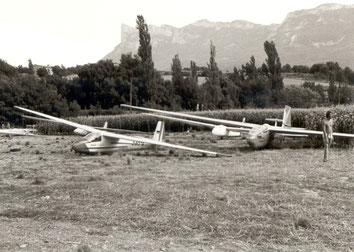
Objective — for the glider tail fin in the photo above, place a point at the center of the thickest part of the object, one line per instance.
(159, 134)
(287, 117)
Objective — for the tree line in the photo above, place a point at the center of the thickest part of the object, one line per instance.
(323, 71)
(99, 88)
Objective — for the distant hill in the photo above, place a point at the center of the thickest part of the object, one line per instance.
(305, 37)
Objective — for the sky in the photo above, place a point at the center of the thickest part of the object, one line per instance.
(77, 32)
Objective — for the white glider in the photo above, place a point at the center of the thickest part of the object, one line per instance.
(257, 135)
(101, 141)
(18, 132)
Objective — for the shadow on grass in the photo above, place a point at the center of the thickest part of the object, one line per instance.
(29, 213)
(21, 213)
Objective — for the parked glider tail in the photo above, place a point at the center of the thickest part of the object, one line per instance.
(159, 134)
(286, 121)
(287, 117)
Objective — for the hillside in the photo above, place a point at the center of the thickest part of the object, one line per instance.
(305, 37)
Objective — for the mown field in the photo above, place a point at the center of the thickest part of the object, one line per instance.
(300, 82)
(280, 199)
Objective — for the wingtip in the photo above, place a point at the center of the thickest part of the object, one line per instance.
(222, 155)
(18, 107)
(217, 154)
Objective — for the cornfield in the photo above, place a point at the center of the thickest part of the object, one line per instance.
(307, 118)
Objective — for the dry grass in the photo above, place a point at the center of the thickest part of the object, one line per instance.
(270, 200)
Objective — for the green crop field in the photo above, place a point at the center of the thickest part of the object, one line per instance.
(280, 199)
(307, 118)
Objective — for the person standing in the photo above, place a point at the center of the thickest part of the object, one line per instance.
(327, 134)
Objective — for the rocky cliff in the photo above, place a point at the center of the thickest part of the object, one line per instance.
(305, 37)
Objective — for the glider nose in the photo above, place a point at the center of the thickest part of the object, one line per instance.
(80, 148)
(251, 136)
(251, 140)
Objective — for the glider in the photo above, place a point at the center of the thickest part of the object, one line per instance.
(101, 141)
(257, 135)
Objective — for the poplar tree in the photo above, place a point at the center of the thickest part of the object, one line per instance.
(145, 55)
(213, 70)
(194, 74)
(30, 66)
(332, 89)
(212, 89)
(177, 77)
(273, 66)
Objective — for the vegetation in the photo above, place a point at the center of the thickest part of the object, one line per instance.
(283, 200)
(307, 118)
(99, 88)
(324, 71)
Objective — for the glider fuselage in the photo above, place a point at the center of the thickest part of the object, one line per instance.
(98, 144)
(259, 136)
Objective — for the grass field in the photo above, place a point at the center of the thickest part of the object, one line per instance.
(281, 199)
(299, 82)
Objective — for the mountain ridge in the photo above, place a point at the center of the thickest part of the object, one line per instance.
(305, 37)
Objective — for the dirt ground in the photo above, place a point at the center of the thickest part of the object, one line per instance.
(279, 199)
